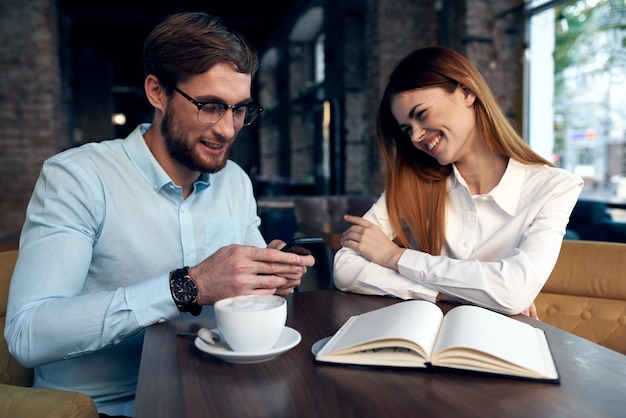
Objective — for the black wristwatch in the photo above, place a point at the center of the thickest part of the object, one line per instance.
(184, 291)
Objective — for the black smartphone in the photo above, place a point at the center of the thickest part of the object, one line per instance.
(303, 245)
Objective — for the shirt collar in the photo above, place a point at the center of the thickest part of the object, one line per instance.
(506, 193)
(140, 155)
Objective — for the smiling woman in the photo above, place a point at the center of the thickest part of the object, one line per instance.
(469, 211)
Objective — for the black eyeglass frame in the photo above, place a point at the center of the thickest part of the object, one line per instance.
(227, 106)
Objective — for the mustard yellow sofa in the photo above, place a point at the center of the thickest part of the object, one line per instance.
(586, 292)
(17, 398)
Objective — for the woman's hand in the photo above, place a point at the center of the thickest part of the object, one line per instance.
(531, 311)
(371, 242)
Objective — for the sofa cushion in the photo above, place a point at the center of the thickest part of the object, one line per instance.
(586, 293)
(20, 402)
(11, 372)
(602, 321)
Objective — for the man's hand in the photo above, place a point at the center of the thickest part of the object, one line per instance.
(371, 242)
(238, 270)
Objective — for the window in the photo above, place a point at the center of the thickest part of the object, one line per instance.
(576, 97)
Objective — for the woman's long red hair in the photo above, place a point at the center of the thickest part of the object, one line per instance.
(415, 183)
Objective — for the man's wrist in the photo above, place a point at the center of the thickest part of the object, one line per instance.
(184, 291)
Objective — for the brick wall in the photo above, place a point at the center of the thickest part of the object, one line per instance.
(32, 121)
(494, 44)
(394, 28)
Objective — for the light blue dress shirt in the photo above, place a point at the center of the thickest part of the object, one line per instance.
(104, 228)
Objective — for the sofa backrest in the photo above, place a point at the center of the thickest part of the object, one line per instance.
(11, 372)
(586, 292)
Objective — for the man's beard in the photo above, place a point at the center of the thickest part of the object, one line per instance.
(183, 152)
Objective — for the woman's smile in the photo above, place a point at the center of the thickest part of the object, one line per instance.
(432, 141)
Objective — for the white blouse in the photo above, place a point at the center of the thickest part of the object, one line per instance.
(499, 249)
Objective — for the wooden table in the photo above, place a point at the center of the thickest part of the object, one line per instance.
(178, 380)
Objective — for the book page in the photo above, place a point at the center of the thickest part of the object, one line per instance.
(413, 323)
(478, 339)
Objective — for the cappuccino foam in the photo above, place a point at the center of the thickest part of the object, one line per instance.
(250, 304)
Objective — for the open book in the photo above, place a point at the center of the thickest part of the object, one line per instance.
(416, 333)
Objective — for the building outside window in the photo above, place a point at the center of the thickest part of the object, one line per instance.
(576, 89)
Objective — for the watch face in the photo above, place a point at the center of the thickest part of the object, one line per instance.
(184, 290)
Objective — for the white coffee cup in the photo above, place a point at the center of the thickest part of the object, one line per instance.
(251, 323)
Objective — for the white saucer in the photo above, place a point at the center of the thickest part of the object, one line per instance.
(287, 340)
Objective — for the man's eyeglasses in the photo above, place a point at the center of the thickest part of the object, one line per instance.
(212, 112)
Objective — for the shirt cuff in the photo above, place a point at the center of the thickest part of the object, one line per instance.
(395, 284)
(151, 301)
(411, 265)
